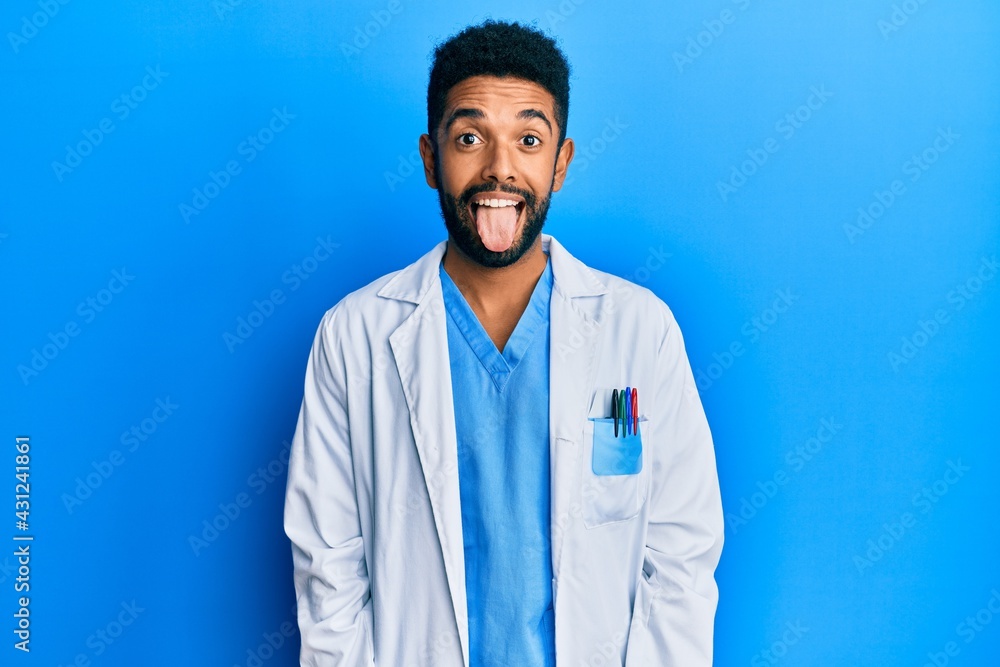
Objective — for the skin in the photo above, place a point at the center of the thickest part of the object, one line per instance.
(499, 156)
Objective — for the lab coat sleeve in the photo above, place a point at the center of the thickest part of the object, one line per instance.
(321, 517)
(677, 594)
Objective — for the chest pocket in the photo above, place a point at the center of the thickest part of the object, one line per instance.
(615, 475)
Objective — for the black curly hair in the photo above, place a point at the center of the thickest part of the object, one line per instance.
(498, 48)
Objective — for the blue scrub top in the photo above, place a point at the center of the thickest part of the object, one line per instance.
(502, 423)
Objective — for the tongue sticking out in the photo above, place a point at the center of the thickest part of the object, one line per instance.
(496, 226)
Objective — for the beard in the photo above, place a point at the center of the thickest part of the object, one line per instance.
(462, 227)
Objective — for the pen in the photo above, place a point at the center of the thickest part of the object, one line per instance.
(614, 409)
(628, 410)
(621, 410)
(635, 410)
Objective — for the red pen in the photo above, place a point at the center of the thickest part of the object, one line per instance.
(635, 410)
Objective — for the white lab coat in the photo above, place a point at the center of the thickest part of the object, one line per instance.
(372, 500)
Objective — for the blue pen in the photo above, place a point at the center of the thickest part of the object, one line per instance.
(628, 410)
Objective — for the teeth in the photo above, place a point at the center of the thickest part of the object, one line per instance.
(496, 203)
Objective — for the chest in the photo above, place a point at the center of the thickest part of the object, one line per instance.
(500, 325)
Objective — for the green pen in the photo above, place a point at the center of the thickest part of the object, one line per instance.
(621, 410)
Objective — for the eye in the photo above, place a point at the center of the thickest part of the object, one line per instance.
(531, 140)
(467, 139)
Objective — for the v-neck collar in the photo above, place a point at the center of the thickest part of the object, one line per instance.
(498, 364)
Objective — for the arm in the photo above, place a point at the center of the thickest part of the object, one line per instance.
(675, 604)
(321, 518)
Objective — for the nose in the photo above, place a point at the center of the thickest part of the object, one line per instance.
(499, 165)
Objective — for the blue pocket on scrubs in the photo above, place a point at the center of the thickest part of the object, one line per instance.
(616, 455)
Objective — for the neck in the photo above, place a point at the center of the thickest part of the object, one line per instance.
(491, 288)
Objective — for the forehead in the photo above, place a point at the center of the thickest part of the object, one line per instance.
(498, 95)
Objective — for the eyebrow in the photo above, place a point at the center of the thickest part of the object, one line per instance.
(524, 114)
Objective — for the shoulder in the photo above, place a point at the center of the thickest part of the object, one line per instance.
(356, 308)
(636, 316)
(635, 303)
(380, 306)
(620, 302)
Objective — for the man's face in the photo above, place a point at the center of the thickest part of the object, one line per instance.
(496, 141)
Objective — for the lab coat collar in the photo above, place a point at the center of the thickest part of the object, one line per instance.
(571, 276)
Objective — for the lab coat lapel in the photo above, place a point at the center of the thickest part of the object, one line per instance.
(420, 349)
(572, 367)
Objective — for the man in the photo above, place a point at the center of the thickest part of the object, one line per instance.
(467, 486)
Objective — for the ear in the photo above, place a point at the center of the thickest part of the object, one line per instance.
(563, 158)
(427, 155)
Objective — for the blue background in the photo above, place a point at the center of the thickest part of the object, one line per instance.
(683, 96)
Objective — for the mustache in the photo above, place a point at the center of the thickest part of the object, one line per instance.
(473, 190)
